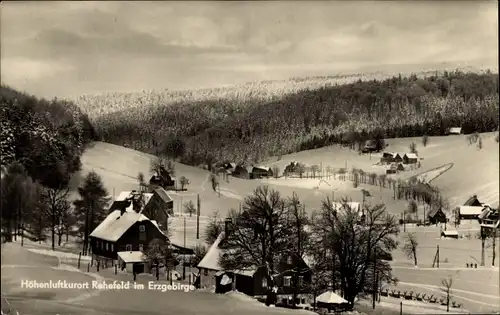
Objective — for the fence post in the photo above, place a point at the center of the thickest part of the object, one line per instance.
(79, 258)
(88, 267)
(400, 308)
(98, 262)
(116, 269)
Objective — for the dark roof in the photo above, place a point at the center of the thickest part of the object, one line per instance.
(472, 201)
(433, 212)
(162, 193)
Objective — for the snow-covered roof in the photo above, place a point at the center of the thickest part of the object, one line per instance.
(471, 210)
(330, 297)
(131, 257)
(211, 259)
(449, 232)
(162, 193)
(262, 167)
(116, 224)
(411, 155)
(355, 206)
(455, 130)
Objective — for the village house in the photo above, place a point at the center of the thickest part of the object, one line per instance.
(436, 216)
(242, 171)
(252, 281)
(355, 207)
(164, 180)
(261, 171)
(410, 158)
(292, 168)
(370, 146)
(489, 218)
(455, 131)
(449, 234)
(469, 212)
(124, 230)
(395, 168)
(391, 157)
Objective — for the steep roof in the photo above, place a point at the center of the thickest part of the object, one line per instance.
(472, 200)
(433, 212)
(211, 258)
(411, 155)
(131, 257)
(116, 224)
(162, 193)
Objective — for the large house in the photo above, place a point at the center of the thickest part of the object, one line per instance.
(251, 281)
(123, 230)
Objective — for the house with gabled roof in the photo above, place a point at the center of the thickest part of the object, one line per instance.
(470, 212)
(251, 281)
(455, 130)
(473, 201)
(410, 158)
(391, 157)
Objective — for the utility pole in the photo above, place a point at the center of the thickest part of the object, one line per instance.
(198, 217)
(437, 256)
(374, 277)
(404, 221)
(184, 256)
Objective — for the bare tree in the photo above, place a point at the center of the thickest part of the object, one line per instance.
(425, 140)
(158, 252)
(56, 201)
(354, 251)
(446, 288)
(301, 169)
(214, 228)
(410, 246)
(479, 143)
(298, 236)
(413, 148)
(328, 170)
(276, 171)
(259, 235)
(184, 182)
(156, 165)
(142, 182)
(314, 170)
(189, 207)
(413, 207)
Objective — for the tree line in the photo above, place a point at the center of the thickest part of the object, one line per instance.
(204, 132)
(41, 142)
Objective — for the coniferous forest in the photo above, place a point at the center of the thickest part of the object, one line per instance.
(250, 129)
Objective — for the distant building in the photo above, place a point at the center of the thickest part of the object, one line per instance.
(241, 171)
(449, 234)
(370, 146)
(391, 157)
(163, 179)
(395, 168)
(455, 130)
(436, 216)
(410, 158)
(470, 212)
(261, 171)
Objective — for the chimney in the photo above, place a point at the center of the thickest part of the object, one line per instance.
(122, 211)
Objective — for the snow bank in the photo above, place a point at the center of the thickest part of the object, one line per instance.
(61, 255)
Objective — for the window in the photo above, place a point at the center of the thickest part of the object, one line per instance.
(205, 272)
(141, 247)
(301, 281)
(264, 282)
(107, 246)
(289, 260)
(97, 244)
(112, 247)
(142, 228)
(286, 281)
(128, 248)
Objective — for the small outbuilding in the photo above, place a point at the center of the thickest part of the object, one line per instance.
(455, 131)
(449, 234)
(436, 216)
(410, 158)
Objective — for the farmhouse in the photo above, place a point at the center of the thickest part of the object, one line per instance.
(489, 218)
(292, 168)
(241, 171)
(124, 230)
(395, 168)
(261, 171)
(390, 157)
(455, 130)
(252, 281)
(436, 216)
(410, 158)
(370, 146)
(469, 212)
(162, 179)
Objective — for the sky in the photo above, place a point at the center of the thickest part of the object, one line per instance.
(71, 48)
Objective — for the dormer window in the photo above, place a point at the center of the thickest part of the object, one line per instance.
(289, 260)
(142, 228)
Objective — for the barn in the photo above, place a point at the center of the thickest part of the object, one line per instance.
(436, 216)
(410, 158)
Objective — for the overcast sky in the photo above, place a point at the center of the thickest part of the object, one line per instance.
(63, 48)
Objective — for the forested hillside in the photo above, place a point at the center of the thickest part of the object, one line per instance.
(201, 132)
(46, 137)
